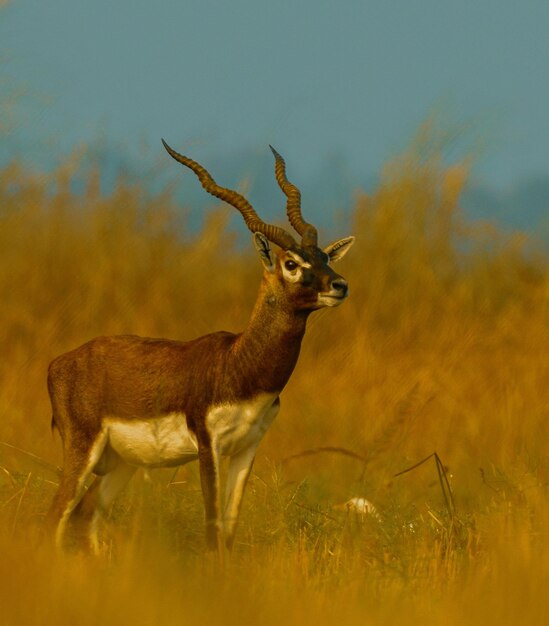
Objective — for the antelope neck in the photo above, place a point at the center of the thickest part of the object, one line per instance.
(268, 349)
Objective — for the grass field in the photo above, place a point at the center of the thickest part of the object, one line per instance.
(443, 346)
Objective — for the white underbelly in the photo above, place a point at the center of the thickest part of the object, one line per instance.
(166, 441)
(157, 442)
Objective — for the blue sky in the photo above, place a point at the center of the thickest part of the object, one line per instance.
(314, 78)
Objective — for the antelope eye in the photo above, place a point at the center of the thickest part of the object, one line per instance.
(290, 265)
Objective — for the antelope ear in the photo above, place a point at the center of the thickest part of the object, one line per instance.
(339, 248)
(265, 253)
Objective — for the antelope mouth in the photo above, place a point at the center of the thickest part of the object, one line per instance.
(330, 299)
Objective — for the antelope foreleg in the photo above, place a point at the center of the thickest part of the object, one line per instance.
(208, 459)
(240, 466)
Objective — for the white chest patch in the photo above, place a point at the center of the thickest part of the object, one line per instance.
(235, 427)
(157, 442)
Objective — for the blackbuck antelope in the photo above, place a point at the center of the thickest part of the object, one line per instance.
(125, 402)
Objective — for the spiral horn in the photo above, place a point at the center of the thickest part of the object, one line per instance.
(309, 234)
(275, 234)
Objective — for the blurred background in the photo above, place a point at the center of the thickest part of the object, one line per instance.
(339, 89)
(418, 127)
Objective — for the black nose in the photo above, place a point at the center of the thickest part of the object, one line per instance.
(341, 286)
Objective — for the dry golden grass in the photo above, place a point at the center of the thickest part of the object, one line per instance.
(442, 346)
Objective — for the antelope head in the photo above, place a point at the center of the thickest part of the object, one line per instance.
(299, 275)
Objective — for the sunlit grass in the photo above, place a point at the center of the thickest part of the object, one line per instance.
(443, 346)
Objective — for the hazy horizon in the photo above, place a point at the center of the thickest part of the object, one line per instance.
(346, 83)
